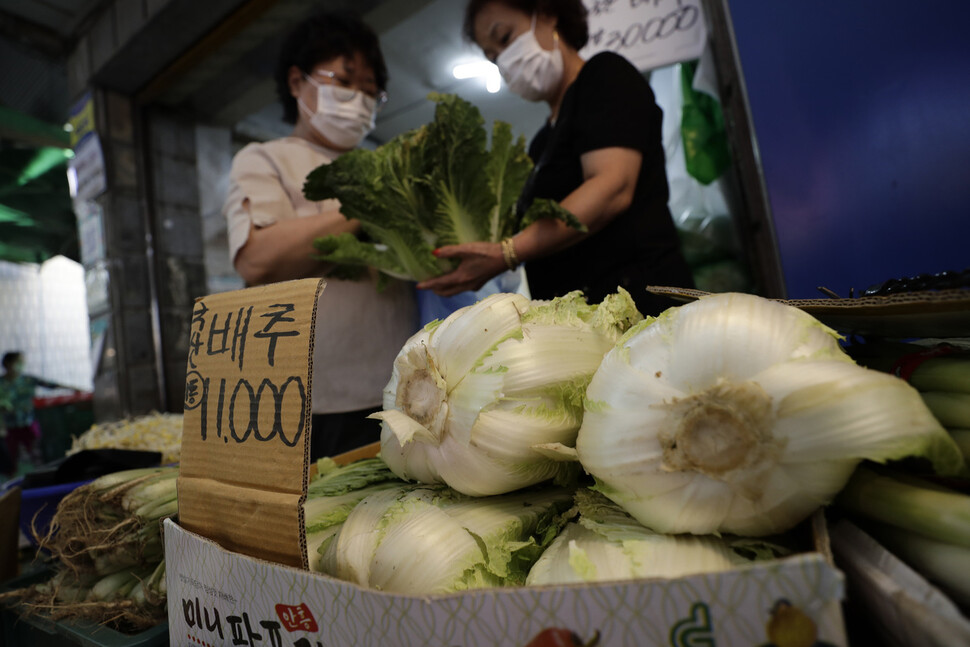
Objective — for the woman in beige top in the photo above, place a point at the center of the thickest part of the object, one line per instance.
(330, 78)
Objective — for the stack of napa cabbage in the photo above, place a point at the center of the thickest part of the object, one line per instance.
(732, 416)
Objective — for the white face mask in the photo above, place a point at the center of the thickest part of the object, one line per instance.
(531, 72)
(344, 116)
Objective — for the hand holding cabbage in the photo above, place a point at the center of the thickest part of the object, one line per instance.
(437, 185)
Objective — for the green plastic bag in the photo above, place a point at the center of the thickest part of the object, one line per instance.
(706, 152)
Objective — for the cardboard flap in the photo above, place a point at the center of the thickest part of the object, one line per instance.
(246, 434)
(932, 313)
(902, 604)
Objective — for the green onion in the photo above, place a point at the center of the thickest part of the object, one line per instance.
(116, 585)
(109, 481)
(951, 409)
(107, 544)
(905, 502)
(962, 436)
(942, 374)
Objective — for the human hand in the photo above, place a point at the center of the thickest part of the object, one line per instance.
(478, 262)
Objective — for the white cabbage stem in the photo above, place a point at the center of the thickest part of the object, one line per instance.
(605, 544)
(742, 415)
(482, 400)
(423, 540)
(724, 432)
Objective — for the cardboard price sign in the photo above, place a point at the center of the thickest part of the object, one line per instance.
(246, 430)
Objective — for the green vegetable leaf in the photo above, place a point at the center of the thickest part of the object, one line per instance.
(543, 208)
(332, 480)
(347, 251)
(507, 170)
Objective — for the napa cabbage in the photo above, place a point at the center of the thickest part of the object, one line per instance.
(439, 184)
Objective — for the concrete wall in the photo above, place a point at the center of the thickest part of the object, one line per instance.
(176, 227)
(214, 151)
(152, 216)
(127, 382)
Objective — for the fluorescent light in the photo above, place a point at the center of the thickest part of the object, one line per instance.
(472, 70)
(480, 69)
(493, 82)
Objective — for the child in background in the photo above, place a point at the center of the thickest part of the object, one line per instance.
(17, 406)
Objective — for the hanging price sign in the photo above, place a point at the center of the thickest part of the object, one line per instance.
(650, 33)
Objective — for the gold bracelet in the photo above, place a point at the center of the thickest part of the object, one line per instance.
(508, 253)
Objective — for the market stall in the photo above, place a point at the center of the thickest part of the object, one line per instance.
(736, 471)
(268, 547)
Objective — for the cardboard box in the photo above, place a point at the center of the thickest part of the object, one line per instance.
(218, 597)
(931, 313)
(903, 607)
(236, 560)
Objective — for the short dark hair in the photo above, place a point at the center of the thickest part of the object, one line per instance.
(322, 37)
(11, 358)
(570, 17)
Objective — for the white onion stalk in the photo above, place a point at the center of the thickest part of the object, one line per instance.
(422, 540)
(475, 401)
(606, 544)
(742, 415)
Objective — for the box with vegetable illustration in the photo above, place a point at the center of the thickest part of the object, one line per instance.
(218, 597)
(546, 468)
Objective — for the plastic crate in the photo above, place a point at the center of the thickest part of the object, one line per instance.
(42, 503)
(40, 631)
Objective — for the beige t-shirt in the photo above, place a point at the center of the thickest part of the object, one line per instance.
(359, 330)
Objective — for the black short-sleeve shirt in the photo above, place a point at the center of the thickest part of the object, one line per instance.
(609, 104)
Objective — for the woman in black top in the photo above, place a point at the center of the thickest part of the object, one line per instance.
(599, 155)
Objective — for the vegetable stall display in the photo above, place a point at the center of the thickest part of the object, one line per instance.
(367, 526)
(440, 184)
(529, 443)
(424, 540)
(705, 430)
(925, 521)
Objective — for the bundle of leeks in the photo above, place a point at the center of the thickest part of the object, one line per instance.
(925, 523)
(105, 541)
